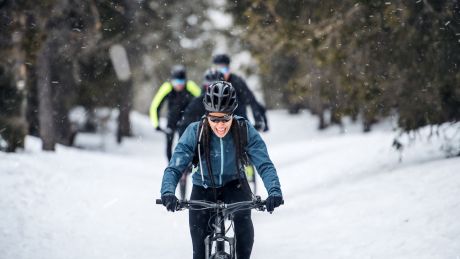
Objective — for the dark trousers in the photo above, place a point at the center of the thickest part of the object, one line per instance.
(201, 220)
(169, 143)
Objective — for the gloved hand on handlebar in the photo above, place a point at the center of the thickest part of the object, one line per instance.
(169, 201)
(272, 202)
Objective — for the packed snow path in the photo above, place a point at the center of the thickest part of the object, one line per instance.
(346, 195)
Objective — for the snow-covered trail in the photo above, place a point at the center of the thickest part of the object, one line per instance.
(346, 197)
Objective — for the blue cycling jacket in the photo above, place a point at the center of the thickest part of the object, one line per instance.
(223, 163)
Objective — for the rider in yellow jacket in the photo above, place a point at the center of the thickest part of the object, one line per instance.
(178, 92)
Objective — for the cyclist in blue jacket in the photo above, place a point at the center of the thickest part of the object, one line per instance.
(219, 172)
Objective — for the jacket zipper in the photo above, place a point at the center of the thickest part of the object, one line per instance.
(221, 161)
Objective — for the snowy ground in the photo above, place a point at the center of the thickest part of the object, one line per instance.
(347, 196)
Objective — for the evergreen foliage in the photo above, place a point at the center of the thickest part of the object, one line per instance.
(366, 58)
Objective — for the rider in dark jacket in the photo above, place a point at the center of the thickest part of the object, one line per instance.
(244, 94)
(178, 92)
(195, 110)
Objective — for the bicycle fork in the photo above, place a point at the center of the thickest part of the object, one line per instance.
(220, 239)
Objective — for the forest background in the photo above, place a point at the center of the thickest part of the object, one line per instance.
(365, 59)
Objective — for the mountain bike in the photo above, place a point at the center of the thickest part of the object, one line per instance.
(215, 242)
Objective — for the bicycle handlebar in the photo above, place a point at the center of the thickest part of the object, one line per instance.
(256, 203)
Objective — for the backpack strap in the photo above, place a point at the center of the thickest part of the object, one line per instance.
(199, 131)
(242, 160)
(243, 133)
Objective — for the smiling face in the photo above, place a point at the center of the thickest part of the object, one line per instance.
(220, 123)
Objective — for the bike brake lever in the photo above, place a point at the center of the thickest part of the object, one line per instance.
(181, 205)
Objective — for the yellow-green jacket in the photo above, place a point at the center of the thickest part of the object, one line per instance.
(177, 102)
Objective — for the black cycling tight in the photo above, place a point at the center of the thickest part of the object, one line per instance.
(199, 219)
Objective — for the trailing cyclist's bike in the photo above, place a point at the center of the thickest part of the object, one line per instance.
(215, 243)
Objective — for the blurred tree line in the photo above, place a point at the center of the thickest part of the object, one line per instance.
(361, 58)
(56, 55)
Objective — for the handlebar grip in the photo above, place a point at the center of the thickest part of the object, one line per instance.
(264, 202)
(158, 201)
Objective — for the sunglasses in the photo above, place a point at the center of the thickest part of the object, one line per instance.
(217, 119)
(178, 82)
(224, 69)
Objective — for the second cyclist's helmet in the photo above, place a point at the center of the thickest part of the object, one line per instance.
(221, 59)
(178, 72)
(220, 97)
(212, 75)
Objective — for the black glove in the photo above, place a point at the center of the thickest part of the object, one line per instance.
(273, 202)
(265, 129)
(169, 201)
(259, 125)
(158, 128)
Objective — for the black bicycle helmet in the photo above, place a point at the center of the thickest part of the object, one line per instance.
(220, 97)
(221, 59)
(178, 72)
(212, 75)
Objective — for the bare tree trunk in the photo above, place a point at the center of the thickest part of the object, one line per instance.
(55, 77)
(32, 101)
(126, 86)
(368, 121)
(12, 78)
(63, 94)
(45, 107)
(322, 121)
(32, 34)
(125, 101)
